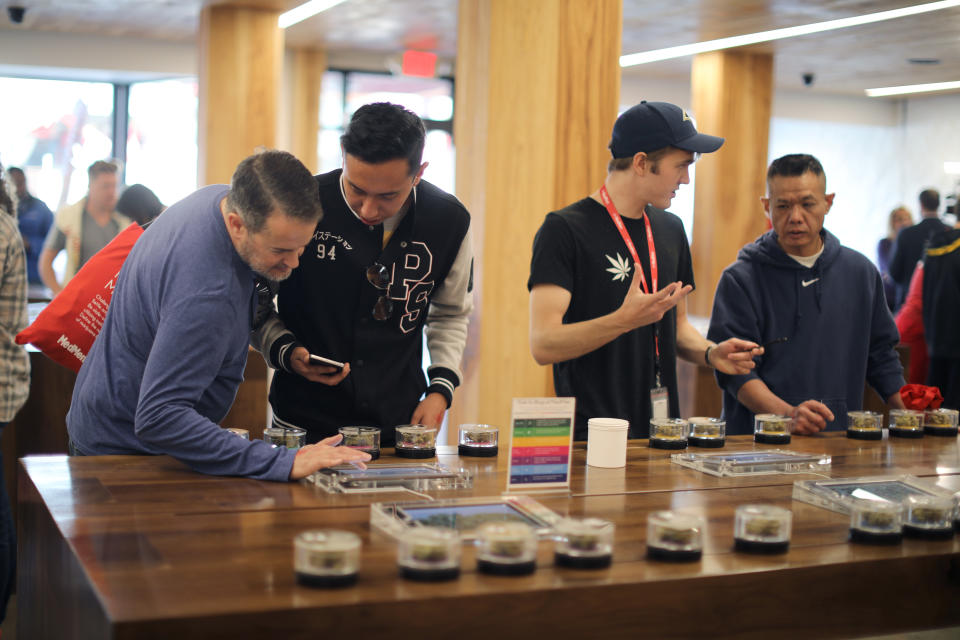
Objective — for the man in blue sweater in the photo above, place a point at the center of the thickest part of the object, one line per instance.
(167, 363)
(821, 302)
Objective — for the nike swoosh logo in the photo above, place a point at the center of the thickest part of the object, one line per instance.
(807, 283)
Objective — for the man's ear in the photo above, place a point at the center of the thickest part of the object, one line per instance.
(765, 203)
(419, 176)
(235, 225)
(641, 164)
(829, 198)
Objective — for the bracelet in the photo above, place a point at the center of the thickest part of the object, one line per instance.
(706, 355)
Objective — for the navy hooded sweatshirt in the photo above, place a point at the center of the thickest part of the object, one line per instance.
(834, 315)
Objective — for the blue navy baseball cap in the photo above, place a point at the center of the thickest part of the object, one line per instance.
(649, 126)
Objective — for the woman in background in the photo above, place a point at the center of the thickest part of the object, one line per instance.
(140, 204)
(900, 218)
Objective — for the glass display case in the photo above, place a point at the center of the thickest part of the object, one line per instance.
(390, 477)
(465, 515)
(752, 463)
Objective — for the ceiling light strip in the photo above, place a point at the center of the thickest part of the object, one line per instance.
(304, 11)
(879, 92)
(656, 55)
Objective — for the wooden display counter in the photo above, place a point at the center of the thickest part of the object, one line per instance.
(141, 547)
(41, 425)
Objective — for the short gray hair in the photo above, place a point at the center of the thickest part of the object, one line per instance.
(273, 180)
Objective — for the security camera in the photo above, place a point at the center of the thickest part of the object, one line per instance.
(16, 14)
(807, 79)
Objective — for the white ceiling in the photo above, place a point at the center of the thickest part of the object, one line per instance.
(845, 61)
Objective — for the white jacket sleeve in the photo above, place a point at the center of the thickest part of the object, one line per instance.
(447, 321)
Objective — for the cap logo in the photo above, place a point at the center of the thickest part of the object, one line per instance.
(685, 116)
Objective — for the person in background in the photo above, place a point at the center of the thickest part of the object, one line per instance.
(140, 204)
(390, 262)
(911, 242)
(941, 308)
(167, 364)
(799, 283)
(34, 219)
(900, 218)
(609, 276)
(14, 374)
(909, 320)
(84, 227)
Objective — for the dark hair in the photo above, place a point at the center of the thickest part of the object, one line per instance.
(930, 199)
(6, 202)
(273, 180)
(102, 166)
(382, 131)
(15, 170)
(139, 203)
(654, 157)
(795, 164)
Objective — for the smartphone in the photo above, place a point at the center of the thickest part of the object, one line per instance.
(326, 361)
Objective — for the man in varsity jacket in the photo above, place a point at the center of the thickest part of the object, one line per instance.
(390, 260)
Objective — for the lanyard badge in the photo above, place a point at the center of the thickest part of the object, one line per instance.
(659, 397)
(651, 248)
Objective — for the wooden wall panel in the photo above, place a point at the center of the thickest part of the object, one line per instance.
(241, 58)
(732, 94)
(537, 89)
(588, 95)
(307, 73)
(470, 137)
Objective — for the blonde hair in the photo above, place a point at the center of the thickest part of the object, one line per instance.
(891, 232)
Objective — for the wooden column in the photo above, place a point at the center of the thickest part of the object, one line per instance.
(732, 92)
(307, 73)
(537, 90)
(241, 58)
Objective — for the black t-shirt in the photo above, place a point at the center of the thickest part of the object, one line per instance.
(579, 248)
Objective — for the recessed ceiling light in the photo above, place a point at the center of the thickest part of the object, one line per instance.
(880, 92)
(923, 60)
(304, 11)
(644, 57)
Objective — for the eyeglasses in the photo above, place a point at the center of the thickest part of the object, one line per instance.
(379, 276)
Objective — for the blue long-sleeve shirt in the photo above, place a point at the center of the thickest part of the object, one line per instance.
(167, 363)
(834, 315)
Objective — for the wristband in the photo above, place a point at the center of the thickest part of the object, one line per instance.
(706, 355)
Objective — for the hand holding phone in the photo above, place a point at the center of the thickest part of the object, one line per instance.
(326, 362)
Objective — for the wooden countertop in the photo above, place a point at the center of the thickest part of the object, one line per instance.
(127, 546)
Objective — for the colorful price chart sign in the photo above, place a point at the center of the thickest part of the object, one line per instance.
(541, 441)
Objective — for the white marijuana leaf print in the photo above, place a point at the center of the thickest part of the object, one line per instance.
(620, 268)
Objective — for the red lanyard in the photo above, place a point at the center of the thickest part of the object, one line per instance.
(618, 221)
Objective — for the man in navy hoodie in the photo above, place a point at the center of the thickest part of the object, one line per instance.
(796, 282)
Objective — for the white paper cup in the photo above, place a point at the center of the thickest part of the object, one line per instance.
(607, 442)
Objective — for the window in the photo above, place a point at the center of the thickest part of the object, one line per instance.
(162, 138)
(430, 98)
(54, 130)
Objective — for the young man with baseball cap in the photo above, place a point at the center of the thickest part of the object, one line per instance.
(610, 274)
